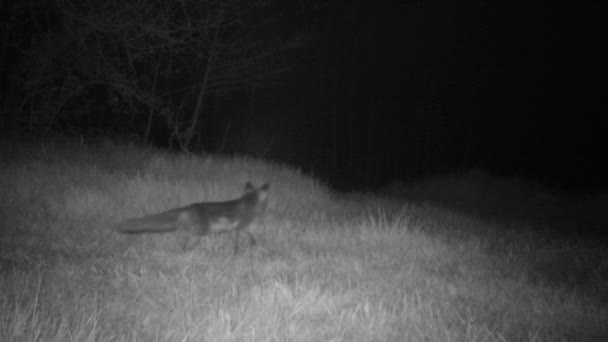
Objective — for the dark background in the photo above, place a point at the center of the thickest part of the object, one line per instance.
(377, 91)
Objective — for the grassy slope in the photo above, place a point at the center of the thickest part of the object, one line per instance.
(353, 268)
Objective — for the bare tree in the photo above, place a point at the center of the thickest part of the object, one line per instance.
(162, 58)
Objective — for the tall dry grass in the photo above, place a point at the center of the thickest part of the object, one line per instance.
(327, 267)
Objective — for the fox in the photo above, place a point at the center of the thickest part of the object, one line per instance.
(191, 222)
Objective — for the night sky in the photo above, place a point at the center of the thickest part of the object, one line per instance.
(433, 87)
(377, 91)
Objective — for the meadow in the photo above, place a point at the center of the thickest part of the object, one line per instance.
(457, 258)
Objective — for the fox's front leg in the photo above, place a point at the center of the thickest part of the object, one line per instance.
(235, 241)
(252, 241)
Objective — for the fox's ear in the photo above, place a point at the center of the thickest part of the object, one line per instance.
(248, 187)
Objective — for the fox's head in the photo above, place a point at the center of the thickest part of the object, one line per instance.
(261, 193)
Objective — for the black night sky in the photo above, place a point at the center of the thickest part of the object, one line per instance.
(375, 91)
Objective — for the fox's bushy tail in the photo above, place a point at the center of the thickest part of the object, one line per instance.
(159, 223)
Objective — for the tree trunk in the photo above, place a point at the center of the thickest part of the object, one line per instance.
(151, 113)
(203, 90)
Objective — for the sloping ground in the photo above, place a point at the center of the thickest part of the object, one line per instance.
(328, 267)
(510, 201)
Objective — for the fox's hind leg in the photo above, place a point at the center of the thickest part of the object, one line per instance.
(186, 240)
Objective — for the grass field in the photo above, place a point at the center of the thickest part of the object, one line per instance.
(460, 258)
